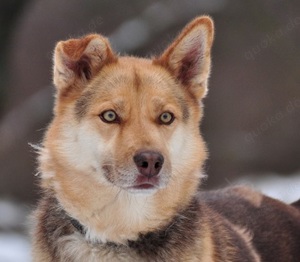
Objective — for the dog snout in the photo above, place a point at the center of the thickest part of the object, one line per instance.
(149, 163)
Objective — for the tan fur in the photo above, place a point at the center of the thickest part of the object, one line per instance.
(247, 237)
(133, 138)
(177, 50)
(248, 194)
(88, 169)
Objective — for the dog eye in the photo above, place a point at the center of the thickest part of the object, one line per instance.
(166, 118)
(109, 116)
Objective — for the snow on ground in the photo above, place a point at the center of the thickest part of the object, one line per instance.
(286, 189)
(16, 247)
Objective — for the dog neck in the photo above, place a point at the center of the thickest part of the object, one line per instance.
(120, 224)
(156, 241)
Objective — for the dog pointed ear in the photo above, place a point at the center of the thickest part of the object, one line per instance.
(188, 57)
(76, 61)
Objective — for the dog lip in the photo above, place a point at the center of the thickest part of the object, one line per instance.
(143, 186)
(143, 182)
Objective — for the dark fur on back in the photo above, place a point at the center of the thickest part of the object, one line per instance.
(296, 204)
(274, 225)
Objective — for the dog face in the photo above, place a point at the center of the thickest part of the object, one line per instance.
(125, 124)
(132, 127)
(134, 111)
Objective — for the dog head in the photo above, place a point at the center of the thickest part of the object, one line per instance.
(127, 124)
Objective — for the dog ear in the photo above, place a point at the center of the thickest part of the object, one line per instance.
(188, 57)
(76, 61)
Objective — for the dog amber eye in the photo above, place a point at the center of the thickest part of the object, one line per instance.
(109, 116)
(166, 118)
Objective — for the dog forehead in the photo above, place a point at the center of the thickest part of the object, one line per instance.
(134, 78)
(138, 74)
(130, 78)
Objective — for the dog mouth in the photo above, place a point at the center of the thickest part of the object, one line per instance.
(138, 183)
(143, 186)
(145, 183)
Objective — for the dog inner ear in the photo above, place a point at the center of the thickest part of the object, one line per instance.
(188, 57)
(76, 61)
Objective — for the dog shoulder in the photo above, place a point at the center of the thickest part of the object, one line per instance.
(296, 204)
(229, 242)
(270, 221)
(236, 195)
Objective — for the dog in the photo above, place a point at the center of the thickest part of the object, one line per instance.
(121, 164)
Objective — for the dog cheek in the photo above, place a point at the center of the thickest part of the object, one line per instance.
(184, 148)
(83, 148)
(177, 147)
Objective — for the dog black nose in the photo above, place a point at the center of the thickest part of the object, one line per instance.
(149, 163)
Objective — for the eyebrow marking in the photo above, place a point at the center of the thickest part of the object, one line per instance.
(159, 105)
(82, 104)
(137, 80)
(184, 108)
(119, 105)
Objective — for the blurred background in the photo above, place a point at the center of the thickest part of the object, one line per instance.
(252, 112)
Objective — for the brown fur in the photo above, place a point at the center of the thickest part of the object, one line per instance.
(91, 209)
(275, 226)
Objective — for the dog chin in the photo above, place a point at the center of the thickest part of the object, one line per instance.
(142, 191)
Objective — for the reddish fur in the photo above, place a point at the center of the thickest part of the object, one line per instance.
(82, 157)
(132, 80)
(81, 66)
(204, 21)
(74, 48)
(188, 69)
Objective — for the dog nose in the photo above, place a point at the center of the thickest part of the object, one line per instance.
(149, 163)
